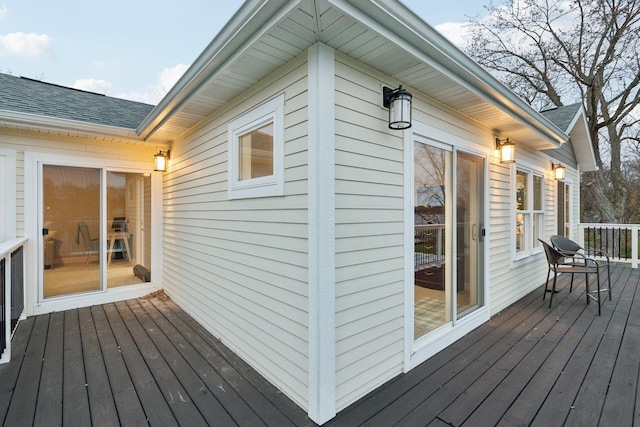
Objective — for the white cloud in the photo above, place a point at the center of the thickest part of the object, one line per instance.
(3, 10)
(31, 46)
(104, 65)
(94, 85)
(165, 80)
(454, 31)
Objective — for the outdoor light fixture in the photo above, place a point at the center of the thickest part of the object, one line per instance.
(507, 150)
(161, 160)
(560, 171)
(398, 101)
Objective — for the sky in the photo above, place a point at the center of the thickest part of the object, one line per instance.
(137, 49)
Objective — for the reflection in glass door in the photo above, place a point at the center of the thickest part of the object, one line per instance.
(440, 265)
(71, 230)
(87, 231)
(469, 231)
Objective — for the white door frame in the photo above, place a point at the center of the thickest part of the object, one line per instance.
(33, 162)
(417, 352)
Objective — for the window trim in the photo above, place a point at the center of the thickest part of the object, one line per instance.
(271, 111)
(532, 247)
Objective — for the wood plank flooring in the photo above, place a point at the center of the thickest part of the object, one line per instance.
(145, 362)
(136, 362)
(529, 365)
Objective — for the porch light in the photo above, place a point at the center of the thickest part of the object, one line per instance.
(398, 101)
(161, 160)
(560, 171)
(507, 150)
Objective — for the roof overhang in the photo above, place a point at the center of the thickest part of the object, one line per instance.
(64, 127)
(578, 130)
(266, 34)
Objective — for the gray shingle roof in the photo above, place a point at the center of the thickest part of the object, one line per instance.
(25, 95)
(562, 116)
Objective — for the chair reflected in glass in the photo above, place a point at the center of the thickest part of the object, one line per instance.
(573, 263)
(91, 245)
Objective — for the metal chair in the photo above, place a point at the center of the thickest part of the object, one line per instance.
(585, 266)
(569, 248)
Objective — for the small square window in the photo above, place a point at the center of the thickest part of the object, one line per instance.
(256, 146)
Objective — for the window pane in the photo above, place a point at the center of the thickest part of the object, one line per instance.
(537, 227)
(537, 193)
(256, 153)
(521, 191)
(520, 233)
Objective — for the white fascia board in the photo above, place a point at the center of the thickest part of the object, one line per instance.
(57, 125)
(394, 21)
(249, 24)
(582, 144)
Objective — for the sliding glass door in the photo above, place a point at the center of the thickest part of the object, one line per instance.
(448, 234)
(94, 225)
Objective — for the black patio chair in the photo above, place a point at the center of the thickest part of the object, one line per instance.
(569, 248)
(585, 266)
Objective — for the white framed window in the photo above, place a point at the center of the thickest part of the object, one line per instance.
(529, 212)
(256, 152)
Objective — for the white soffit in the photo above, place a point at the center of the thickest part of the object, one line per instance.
(264, 35)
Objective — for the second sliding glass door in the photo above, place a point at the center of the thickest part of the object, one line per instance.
(448, 234)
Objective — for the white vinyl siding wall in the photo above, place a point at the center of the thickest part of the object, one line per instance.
(74, 146)
(369, 236)
(511, 280)
(240, 267)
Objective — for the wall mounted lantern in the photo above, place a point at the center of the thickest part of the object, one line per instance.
(398, 101)
(161, 160)
(507, 150)
(560, 172)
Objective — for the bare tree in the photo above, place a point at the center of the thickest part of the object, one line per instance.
(556, 52)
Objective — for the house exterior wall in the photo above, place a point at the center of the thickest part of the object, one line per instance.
(49, 143)
(369, 235)
(240, 267)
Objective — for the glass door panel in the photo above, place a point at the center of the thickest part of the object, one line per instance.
(71, 230)
(469, 231)
(128, 210)
(432, 290)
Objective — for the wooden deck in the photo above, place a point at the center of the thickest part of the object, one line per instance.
(132, 363)
(145, 361)
(529, 365)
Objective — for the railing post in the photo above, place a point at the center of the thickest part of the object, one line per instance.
(634, 246)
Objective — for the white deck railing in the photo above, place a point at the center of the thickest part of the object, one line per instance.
(619, 241)
(429, 241)
(12, 291)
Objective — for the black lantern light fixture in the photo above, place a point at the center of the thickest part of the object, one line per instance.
(161, 159)
(560, 172)
(398, 101)
(507, 150)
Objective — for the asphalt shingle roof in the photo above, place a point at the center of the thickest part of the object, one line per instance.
(25, 95)
(562, 116)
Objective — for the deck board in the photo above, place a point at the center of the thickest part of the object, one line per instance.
(146, 362)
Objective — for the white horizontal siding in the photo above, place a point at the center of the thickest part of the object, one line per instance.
(511, 280)
(369, 237)
(21, 142)
(241, 266)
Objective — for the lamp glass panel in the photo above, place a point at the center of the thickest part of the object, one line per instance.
(400, 112)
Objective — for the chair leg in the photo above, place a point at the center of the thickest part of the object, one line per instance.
(587, 286)
(609, 285)
(553, 288)
(571, 286)
(598, 279)
(546, 285)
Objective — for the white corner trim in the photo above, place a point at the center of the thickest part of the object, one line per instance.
(8, 194)
(322, 219)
